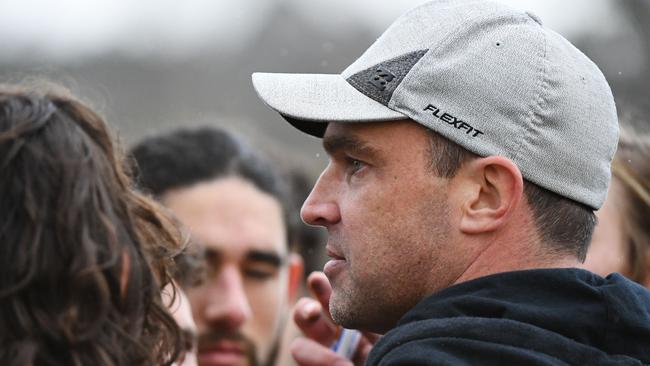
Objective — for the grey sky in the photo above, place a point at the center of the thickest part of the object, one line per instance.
(66, 30)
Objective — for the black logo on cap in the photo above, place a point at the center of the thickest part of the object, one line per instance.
(453, 121)
(381, 77)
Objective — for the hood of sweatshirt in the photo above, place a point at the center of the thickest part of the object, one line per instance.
(568, 315)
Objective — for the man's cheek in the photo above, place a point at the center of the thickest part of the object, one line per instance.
(266, 301)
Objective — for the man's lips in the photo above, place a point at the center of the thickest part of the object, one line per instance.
(335, 265)
(334, 254)
(221, 353)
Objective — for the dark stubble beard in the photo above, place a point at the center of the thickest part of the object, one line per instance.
(250, 350)
(378, 305)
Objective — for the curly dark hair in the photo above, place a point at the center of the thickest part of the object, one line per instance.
(83, 256)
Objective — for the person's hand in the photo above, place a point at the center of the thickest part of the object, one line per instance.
(320, 332)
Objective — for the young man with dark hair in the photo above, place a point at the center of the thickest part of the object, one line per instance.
(469, 146)
(233, 204)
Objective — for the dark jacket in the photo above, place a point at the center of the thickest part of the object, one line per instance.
(534, 317)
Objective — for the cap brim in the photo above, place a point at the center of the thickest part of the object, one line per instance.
(310, 101)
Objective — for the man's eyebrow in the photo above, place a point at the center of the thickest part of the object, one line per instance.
(333, 144)
(271, 258)
(211, 253)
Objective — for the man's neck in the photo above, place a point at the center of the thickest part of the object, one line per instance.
(513, 250)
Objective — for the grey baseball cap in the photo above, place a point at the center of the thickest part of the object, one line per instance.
(488, 77)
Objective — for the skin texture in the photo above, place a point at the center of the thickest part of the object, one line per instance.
(397, 232)
(244, 299)
(312, 316)
(609, 251)
(391, 229)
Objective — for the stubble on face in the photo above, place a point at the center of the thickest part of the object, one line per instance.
(252, 356)
(374, 297)
(394, 233)
(236, 224)
(207, 339)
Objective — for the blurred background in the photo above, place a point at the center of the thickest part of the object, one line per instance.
(153, 65)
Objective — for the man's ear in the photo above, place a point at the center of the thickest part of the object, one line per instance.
(493, 187)
(296, 272)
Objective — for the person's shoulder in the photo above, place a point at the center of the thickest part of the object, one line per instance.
(481, 341)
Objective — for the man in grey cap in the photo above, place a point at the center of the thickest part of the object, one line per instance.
(469, 147)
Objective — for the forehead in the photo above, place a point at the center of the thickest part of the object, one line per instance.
(231, 215)
(391, 137)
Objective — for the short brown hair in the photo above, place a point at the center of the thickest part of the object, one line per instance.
(564, 225)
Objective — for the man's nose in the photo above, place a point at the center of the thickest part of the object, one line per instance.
(321, 207)
(228, 307)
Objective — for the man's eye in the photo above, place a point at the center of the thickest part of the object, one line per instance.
(355, 165)
(258, 274)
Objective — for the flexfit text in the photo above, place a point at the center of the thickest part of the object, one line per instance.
(452, 121)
